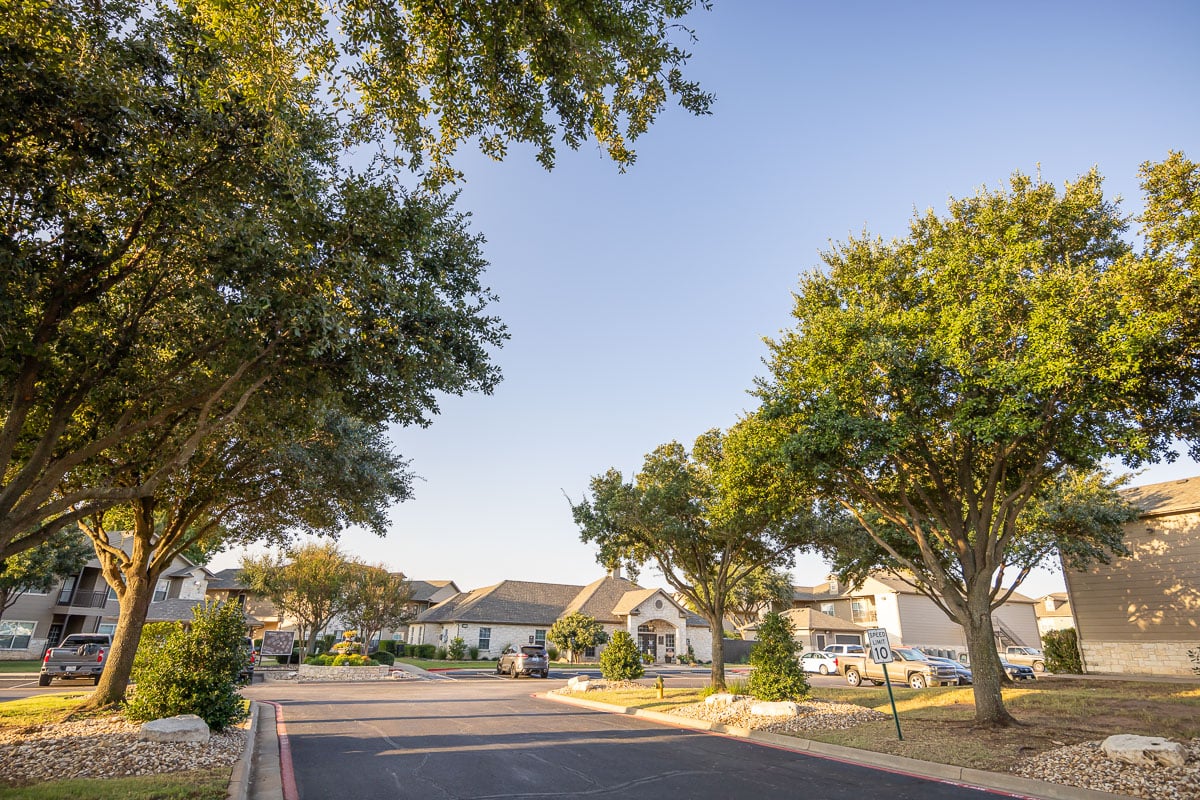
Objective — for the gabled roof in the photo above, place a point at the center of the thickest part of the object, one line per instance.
(423, 591)
(516, 602)
(1168, 497)
(811, 619)
(227, 579)
(599, 599)
(188, 570)
(632, 599)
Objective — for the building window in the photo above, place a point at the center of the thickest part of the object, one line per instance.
(485, 639)
(15, 634)
(645, 629)
(589, 652)
(539, 637)
(862, 609)
(160, 591)
(107, 627)
(827, 608)
(112, 595)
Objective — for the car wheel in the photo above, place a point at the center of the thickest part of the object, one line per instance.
(916, 681)
(499, 668)
(853, 678)
(43, 680)
(545, 673)
(513, 672)
(1039, 666)
(824, 670)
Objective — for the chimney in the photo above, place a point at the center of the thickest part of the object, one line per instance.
(615, 572)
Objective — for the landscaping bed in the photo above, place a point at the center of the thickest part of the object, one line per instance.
(1059, 723)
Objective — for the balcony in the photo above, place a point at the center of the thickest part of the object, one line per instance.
(84, 599)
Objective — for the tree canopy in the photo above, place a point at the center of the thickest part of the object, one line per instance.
(684, 514)
(39, 569)
(954, 390)
(181, 229)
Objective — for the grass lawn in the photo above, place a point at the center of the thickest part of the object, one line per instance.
(939, 723)
(212, 784)
(483, 663)
(40, 709)
(20, 666)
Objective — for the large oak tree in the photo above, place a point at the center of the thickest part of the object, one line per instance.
(703, 519)
(954, 389)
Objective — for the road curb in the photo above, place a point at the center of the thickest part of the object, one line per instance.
(239, 780)
(1014, 785)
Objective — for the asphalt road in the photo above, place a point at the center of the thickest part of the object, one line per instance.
(489, 738)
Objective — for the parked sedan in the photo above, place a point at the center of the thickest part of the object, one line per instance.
(1017, 672)
(962, 670)
(816, 661)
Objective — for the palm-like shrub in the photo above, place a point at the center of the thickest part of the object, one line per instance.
(621, 660)
(777, 674)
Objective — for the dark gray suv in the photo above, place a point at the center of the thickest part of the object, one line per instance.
(531, 659)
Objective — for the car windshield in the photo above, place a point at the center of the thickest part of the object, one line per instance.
(909, 654)
(533, 651)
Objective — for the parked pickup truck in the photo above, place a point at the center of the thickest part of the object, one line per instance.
(910, 667)
(80, 655)
(1025, 656)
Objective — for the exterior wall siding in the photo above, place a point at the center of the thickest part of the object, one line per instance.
(1151, 597)
(926, 624)
(1020, 619)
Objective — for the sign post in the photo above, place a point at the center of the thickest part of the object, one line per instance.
(881, 653)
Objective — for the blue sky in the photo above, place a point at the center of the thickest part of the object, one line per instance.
(637, 302)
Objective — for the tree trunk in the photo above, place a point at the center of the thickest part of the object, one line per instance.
(987, 677)
(717, 620)
(135, 604)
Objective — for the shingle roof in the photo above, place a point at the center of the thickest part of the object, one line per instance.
(423, 591)
(516, 602)
(631, 600)
(227, 579)
(812, 619)
(599, 599)
(1168, 497)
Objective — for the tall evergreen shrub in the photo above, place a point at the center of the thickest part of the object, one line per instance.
(1062, 652)
(777, 674)
(621, 660)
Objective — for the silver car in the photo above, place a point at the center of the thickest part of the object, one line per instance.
(529, 660)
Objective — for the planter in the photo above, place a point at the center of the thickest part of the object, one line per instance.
(308, 672)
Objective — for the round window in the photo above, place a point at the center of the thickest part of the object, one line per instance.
(658, 603)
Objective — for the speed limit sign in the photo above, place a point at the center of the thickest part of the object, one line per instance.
(881, 651)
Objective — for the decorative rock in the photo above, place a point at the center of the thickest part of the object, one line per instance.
(578, 683)
(182, 728)
(1144, 750)
(784, 709)
(723, 699)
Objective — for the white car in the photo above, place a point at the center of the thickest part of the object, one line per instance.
(816, 661)
(844, 649)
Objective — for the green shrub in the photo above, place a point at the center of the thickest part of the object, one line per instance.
(777, 672)
(353, 660)
(621, 660)
(473, 653)
(457, 650)
(154, 640)
(552, 653)
(383, 657)
(194, 671)
(1062, 652)
(439, 654)
(388, 646)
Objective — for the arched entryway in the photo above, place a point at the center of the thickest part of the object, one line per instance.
(660, 639)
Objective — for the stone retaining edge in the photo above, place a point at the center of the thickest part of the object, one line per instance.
(997, 781)
(239, 780)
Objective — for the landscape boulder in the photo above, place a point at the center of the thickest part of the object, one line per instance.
(1144, 750)
(579, 683)
(723, 699)
(781, 709)
(182, 728)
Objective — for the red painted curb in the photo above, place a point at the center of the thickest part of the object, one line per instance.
(287, 774)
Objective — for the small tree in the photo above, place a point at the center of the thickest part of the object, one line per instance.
(621, 660)
(310, 587)
(375, 600)
(40, 568)
(777, 673)
(457, 650)
(575, 633)
(193, 671)
(1062, 651)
